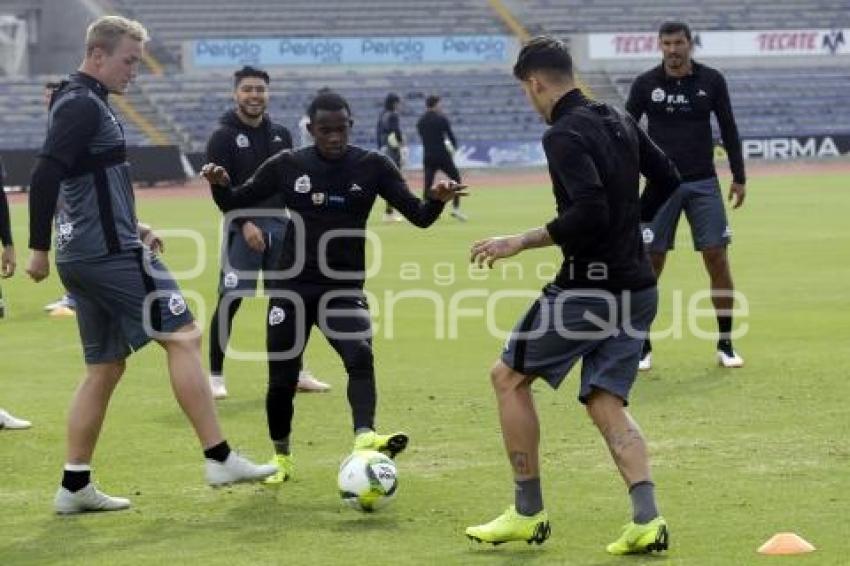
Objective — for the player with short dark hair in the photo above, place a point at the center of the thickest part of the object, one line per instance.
(125, 295)
(328, 189)
(245, 138)
(600, 304)
(391, 141)
(438, 147)
(678, 97)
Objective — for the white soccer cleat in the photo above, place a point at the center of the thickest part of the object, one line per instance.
(392, 217)
(219, 391)
(458, 215)
(727, 361)
(236, 469)
(87, 500)
(64, 302)
(307, 383)
(645, 363)
(12, 423)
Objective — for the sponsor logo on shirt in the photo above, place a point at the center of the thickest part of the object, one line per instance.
(701, 92)
(276, 316)
(64, 234)
(658, 95)
(242, 141)
(355, 188)
(277, 139)
(176, 304)
(303, 185)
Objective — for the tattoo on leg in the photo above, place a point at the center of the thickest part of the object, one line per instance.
(622, 441)
(519, 461)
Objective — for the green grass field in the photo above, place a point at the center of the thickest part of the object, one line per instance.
(738, 455)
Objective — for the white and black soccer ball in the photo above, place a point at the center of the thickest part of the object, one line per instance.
(367, 480)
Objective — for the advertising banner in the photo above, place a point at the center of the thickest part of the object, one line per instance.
(406, 50)
(759, 43)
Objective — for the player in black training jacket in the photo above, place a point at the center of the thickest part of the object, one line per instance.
(245, 138)
(599, 306)
(328, 189)
(678, 97)
(438, 147)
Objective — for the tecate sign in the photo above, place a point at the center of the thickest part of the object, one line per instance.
(759, 43)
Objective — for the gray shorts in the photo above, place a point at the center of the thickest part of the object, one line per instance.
(702, 202)
(605, 330)
(243, 266)
(121, 304)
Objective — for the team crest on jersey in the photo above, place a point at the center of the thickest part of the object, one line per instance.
(242, 141)
(176, 304)
(302, 184)
(658, 95)
(276, 316)
(231, 280)
(318, 199)
(648, 235)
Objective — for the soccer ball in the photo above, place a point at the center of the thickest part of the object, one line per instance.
(367, 480)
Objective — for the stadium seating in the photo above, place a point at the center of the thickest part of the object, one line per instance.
(483, 105)
(587, 16)
(785, 101)
(23, 117)
(172, 23)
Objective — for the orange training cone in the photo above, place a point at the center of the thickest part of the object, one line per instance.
(786, 543)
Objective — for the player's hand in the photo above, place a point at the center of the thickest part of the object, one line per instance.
(215, 174)
(254, 236)
(38, 266)
(154, 242)
(738, 191)
(487, 251)
(7, 262)
(446, 190)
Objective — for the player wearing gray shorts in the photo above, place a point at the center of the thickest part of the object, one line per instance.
(105, 257)
(600, 305)
(678, 97)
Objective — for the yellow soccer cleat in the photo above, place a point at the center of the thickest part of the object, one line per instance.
(285, 468)
(640, 539)
(389, 444)
(511, 526)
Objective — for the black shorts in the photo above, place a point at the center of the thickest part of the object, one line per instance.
(341, 314)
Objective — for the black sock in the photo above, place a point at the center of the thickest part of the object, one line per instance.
(219, 452)
(217, 347)
(281, 446)
(528, 497)
(647, 348)
(362, 397)
(75, 481)
(643, 502)
(724, 325)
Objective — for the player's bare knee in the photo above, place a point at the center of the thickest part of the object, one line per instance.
(505, 379)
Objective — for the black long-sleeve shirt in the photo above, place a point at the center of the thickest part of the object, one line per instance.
(596, 157)
(679, 111)
(241, 149)
(5, 219)
(325, 196)
(388, 123)
(434, 129)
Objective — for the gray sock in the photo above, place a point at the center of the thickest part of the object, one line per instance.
(281, 446)
(643, 502)
(528, 497)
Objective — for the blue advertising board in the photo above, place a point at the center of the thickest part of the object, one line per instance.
(350, 51)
